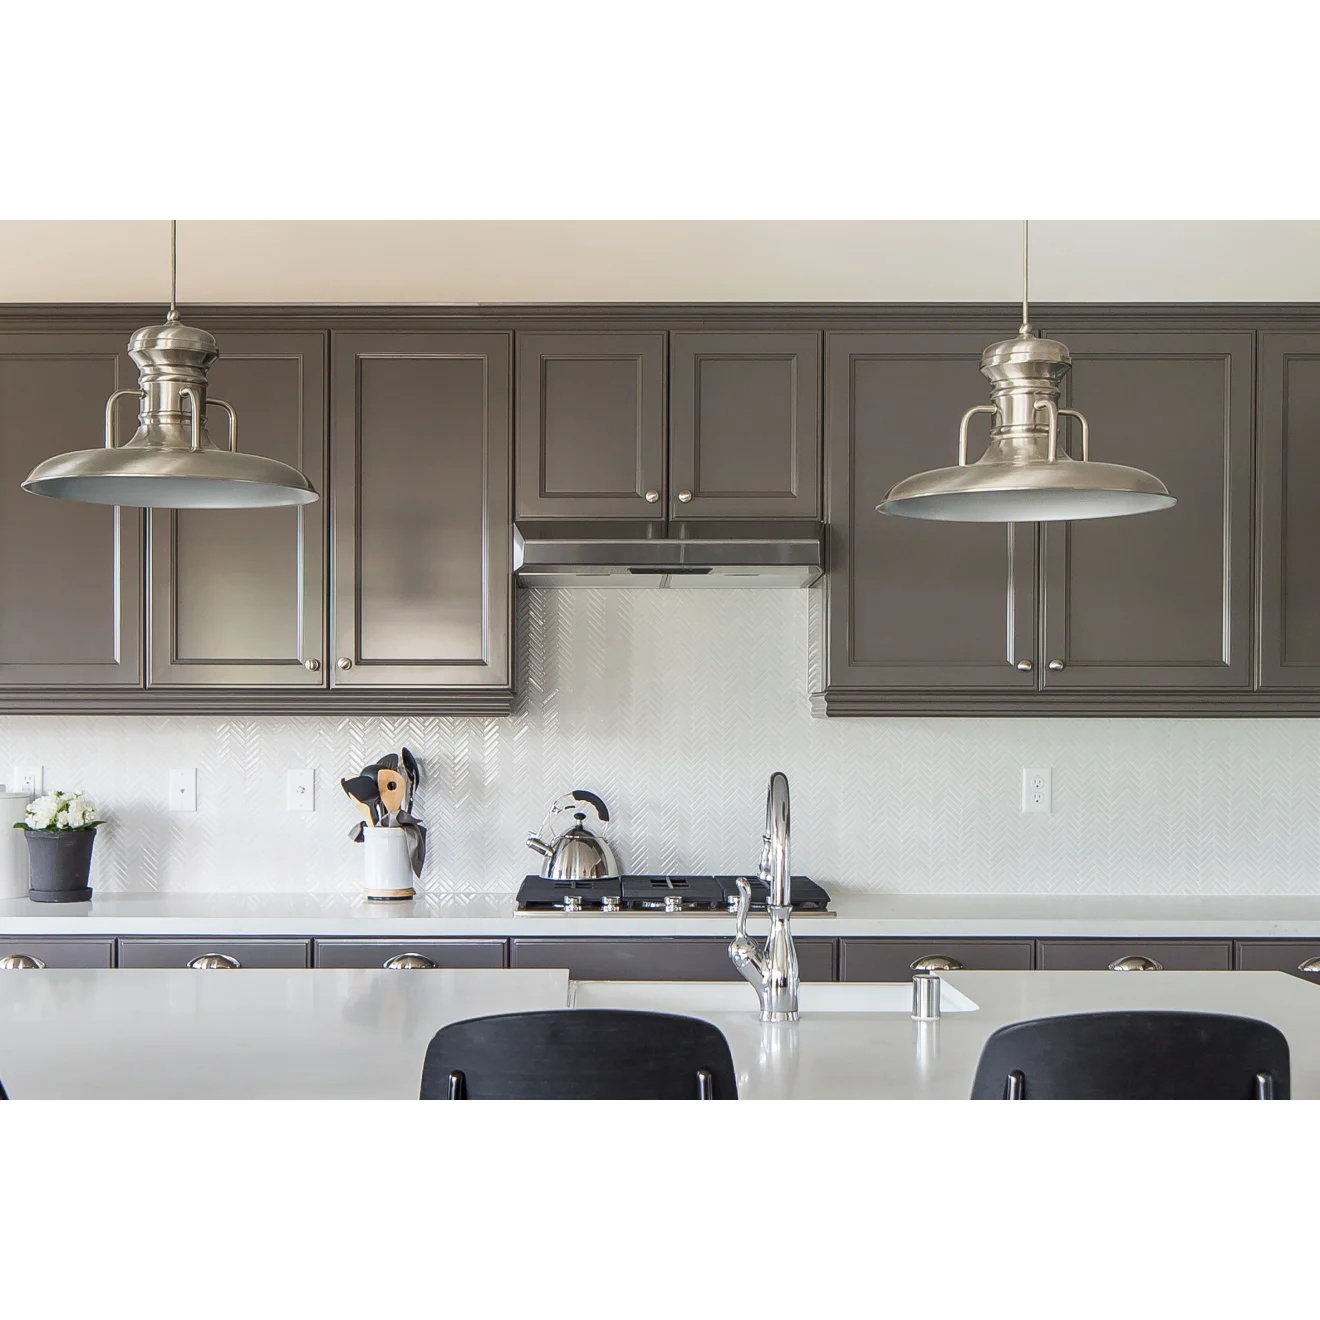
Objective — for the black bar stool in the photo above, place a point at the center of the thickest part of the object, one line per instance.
(1135, 1056)
(579, 1054)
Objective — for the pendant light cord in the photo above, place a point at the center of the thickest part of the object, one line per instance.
(1026, 315)
(174, 270)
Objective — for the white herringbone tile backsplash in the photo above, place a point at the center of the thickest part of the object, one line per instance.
(676, 706)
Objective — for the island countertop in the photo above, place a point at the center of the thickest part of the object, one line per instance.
(491, 915)
(338, 1034)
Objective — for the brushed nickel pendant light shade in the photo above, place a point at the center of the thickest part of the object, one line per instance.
(1026, 474)
(171, 462)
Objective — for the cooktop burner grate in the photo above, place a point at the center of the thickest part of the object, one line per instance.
(695, 894)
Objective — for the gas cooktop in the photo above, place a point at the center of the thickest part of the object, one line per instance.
(697, 895)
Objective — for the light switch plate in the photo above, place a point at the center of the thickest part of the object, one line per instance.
(300, 790)
(26, 779)
(183, 790)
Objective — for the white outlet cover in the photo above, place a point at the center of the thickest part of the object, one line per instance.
(26, 779)
(300, 790)
(183, 790)
(1037, 790)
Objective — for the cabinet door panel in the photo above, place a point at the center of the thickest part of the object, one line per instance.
(238, 596)
(744, 426)
(83, 952)
(1158, 600)
(1288, 475)
(891, 960)
(422, 537)
(684, 958)
(70, 574)
(442, 952)
(591, 426)
(142, 951)
(1172, 955)
(913, 604)
(1279, 956)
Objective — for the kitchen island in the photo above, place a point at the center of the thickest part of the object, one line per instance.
(361, 1034)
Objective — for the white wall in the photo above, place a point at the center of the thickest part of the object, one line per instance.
(676, 706)
(663, 261)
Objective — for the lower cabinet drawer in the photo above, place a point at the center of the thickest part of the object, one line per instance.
(690, 958)
(61, 953)
(376, 953)
(141, 952)
(1278, 956)
(1172, 955)
(891, 960)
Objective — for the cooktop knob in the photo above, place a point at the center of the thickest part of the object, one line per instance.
(572, 902)
(673, 903)
(610, 903)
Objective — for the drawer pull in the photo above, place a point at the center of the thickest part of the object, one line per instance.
(1135, 962)
(407, 962)
(937, 962)
(213, 962)
(1310, 965)
(20, 961)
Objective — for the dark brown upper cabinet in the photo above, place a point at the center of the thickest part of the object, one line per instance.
(70, 574)
(914, 612)
(237, 597)
(591, 426)
(422, 542)
(744, 425)
(1288, 530)
(1160, 600)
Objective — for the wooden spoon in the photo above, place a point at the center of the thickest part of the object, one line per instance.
(392, 786)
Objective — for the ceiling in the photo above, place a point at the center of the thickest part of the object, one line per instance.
(660, 261)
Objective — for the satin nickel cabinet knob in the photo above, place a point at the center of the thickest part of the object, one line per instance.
(937, 962)
(685, 497)
(1056, 664)
(1025, 666)
(311, 665)
(653, 497)
(407, 962)
(1135, 962)
(20, 962)
(344, 662)
(209, 962)
(1310, 965)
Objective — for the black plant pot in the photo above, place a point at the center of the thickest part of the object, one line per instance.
(61, 861)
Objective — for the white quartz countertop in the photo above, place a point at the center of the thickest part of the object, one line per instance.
(947, 916)
(173, 1034)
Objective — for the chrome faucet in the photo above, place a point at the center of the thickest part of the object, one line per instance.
(773, 969)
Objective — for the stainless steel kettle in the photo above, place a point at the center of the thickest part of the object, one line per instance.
(575, 853)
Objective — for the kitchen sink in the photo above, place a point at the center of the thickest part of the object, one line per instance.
(700, 998)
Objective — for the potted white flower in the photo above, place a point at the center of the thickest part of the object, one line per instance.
(60, 829)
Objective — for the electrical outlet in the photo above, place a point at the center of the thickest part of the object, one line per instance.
(26, 779)
(300, 790)
(183, 790)
(1036, 790)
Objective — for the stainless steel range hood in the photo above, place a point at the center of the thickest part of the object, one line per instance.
(648, 556)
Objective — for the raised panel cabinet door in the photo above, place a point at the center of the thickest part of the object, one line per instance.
(81, 952)
(590, 441)
(744, 425)
(1287, 529)
(1172, 955)
(891, 960)
(913, 604)
(237, 597)
(422, 541)
(377, 953)
(143, 951)
(70, 574)
(659, 958)
(1163, 599)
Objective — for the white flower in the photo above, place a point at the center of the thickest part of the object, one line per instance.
(60, 811)
(61, 821)
(41, 812)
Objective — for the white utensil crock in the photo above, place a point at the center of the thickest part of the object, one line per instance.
(388, 870)
(13, 846)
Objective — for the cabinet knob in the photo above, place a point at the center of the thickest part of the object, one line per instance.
(20, 962)
(685, 497)
(653, 497)
(1135, 962)
(213, 962)
(1056, 664)
(312, 665)
(1310, 965)
(344, 662)
(937, 962)
(1024, 666)
(407, 962)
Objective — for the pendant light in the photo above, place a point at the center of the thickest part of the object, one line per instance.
(1026, 475)
(171, 462)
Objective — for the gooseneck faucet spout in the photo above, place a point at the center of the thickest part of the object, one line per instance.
(773, 969)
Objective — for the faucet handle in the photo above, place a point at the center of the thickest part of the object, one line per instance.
(744, 906)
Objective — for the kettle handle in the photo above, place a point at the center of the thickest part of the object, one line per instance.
(581, 795)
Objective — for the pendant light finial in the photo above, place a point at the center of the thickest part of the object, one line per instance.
(1025, 329)
(172, 317)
